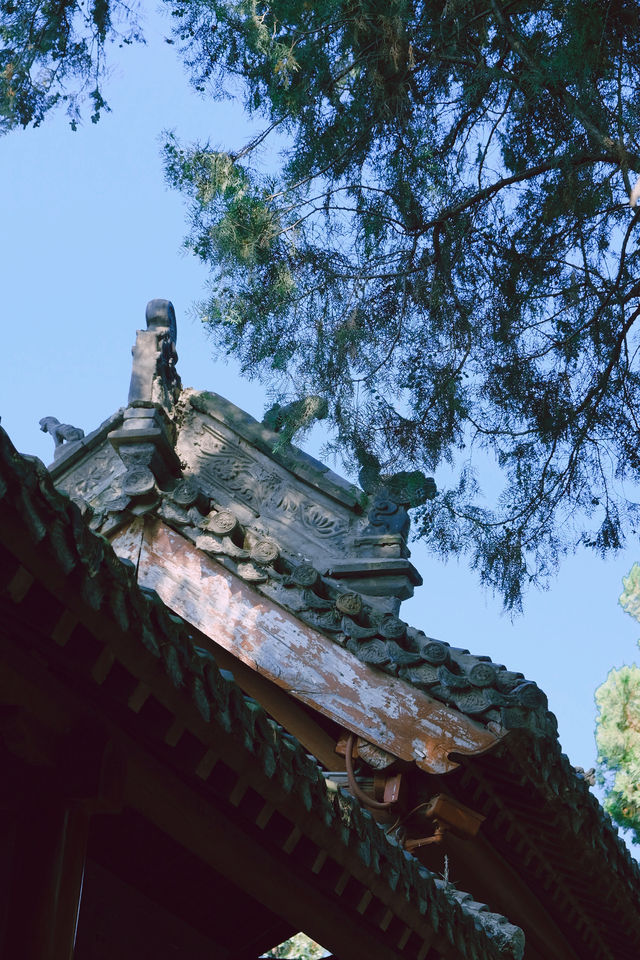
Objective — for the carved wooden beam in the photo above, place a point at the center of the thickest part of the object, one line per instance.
(308, 665)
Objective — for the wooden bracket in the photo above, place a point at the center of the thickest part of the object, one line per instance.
(387, 789)
(448, 815)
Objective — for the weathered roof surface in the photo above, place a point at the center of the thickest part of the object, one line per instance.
(567, 835)
(491, 694)
(474, 685)
(54, 525)
(297, 535)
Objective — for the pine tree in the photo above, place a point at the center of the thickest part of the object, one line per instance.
(446, 253)
(618, 729)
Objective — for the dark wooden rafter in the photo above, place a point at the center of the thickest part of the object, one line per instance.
(151, 927)
(49, 851)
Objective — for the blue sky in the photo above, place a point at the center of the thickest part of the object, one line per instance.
(90, 233)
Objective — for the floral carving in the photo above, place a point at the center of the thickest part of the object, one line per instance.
(393, 629)
(304, 575)
(221, 463)
(321, 523)
(228, 466)
(264, 551)
(93, 475)
(223, 522)
(482, 675)
(186, 492)
(349, 603)
(138, 481)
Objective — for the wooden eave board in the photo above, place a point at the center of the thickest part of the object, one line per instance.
(315, 670)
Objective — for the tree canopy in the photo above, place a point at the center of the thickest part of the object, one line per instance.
(446, 252)
(438, 247)
(618, 729)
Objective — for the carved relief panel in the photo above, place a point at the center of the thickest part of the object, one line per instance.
(96, 479)
(236, 475)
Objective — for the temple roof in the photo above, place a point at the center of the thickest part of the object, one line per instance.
(34, 515)
(298, 533)
(251, 548)
(337, 561)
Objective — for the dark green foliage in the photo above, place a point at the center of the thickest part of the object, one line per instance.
(618, 729)
(618, 739)
(446, 254)
(298, 947)
(53, 52)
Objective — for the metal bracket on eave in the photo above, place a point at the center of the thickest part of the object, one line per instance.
(308, 665)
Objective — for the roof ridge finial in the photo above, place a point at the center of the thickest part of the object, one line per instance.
(160, 315)
(154, 378)
(145, 441)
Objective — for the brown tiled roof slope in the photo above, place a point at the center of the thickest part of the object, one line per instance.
(55, 525)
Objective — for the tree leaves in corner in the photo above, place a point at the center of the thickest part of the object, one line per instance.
(433, 235)
(54, 53)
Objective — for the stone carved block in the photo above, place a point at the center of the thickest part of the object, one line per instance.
(215, 545)
(349, 603)
(227, 465)
(264, 551)
(320, 522)
(95, 478)
(154, 377)
(304, 575)
(138, 481)
(387, 517)
(223, 522)
(185, 493)
(252, 572)
(392, 628)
